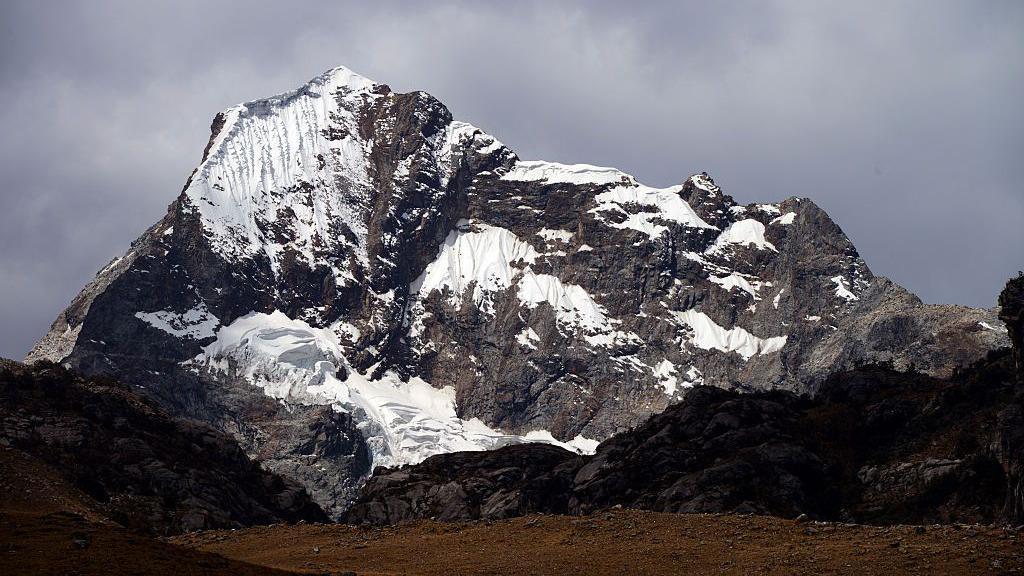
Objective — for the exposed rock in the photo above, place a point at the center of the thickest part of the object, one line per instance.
(874, 445)
(715, 451)
(1011, 312)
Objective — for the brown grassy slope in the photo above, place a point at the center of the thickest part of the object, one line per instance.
(622, 542)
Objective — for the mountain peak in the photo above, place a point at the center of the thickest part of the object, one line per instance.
(317, 273)
(342, 77)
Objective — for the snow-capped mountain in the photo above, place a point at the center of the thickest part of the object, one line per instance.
(353, 278)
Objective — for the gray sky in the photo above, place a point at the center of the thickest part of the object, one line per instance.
(902, 119)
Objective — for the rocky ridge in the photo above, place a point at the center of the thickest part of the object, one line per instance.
(352, 278)
(133, 463)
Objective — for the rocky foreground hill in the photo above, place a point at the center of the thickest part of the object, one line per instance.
(352, 278)
(125, 460)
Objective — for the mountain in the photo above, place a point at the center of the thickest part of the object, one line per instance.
(874, 445)
(351, 278)
(112, 454)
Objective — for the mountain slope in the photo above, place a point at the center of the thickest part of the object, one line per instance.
(352, 278)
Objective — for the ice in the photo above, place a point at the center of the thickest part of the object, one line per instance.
(402, 421)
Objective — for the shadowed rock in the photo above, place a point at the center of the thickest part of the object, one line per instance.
(142, 468)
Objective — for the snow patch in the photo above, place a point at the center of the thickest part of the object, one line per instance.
(665, 372)
(490, 260)
(527, 337)
(481, 258)
(196, 324)
(707, 335)
(579, 444)
(574, 309)
(550, 235)
(703, 181)
(734, 280)
(784, 220)
(988, 326)
(745, 233)
(842, 290)
(642, 206)
(555, 173)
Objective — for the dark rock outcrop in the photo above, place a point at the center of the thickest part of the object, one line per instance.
(142, 468)
(1011, 312)
(510, 481)
(717, 450)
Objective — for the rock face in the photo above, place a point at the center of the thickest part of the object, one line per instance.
(143, 468)
(351, 278)
(1011, 311)
(874, 445)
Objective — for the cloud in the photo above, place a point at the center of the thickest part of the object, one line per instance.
(901, 119)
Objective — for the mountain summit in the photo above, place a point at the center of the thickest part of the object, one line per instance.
(352, 278)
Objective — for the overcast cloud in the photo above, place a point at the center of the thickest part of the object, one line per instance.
(903, 120)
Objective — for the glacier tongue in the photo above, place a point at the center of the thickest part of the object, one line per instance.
(403, 421)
